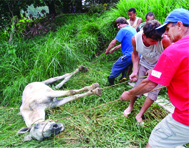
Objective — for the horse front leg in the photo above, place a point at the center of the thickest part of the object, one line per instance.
(81, 68)
(54, 79)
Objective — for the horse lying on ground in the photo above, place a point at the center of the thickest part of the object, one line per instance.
(37, 96)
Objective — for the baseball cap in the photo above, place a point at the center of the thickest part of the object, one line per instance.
(175, 16)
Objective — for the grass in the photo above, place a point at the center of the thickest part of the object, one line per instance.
(102, 127)
(79, 39)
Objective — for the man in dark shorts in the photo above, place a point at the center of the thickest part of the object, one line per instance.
(150, 45)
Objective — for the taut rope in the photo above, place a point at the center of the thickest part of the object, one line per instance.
(108, 102)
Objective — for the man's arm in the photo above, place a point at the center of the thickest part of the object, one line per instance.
(135, 59)
(166, 41)
(138, 23)
(112, 43)
(115, 48)
(145, 86)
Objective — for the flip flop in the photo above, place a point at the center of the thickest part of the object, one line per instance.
(126, 113)
(141, 124)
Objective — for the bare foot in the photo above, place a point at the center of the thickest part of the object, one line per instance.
(127, 111)
(139, 120)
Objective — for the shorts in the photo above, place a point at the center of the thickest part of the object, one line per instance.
(120, 65)
(142, 72)
(169, 133)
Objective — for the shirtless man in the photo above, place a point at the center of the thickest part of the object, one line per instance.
(133, 20)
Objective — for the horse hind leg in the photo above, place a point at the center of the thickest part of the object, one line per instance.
(61, 93)
(60, 102)
(87, 88)
(97, 92)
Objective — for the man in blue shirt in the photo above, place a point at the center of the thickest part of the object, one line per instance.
(124, 36)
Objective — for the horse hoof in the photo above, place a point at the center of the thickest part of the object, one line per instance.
(95, 85)
(97, 92)
(82, 68)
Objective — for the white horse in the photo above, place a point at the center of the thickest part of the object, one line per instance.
(37, 96)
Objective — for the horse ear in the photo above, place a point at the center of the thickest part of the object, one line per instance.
(23, 130)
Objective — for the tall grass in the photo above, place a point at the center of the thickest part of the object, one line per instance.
(79, 40)
(161, 8)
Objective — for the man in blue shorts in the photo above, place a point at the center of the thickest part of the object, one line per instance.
(124, 36)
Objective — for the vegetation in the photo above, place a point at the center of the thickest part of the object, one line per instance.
(79, 39)
(34, 11)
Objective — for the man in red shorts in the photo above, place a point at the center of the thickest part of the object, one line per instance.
(171, 70)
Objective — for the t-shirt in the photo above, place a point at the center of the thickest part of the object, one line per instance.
(124, 36)
(150, 54)
(172, 70)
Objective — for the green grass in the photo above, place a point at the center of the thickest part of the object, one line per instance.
(101, 127)
(161, 8)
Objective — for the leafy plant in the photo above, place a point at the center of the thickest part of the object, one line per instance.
(32, 27)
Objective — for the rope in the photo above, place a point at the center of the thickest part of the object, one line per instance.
(121, 83)
(106, 103)
(44, 127)
(87, 110)
(97, 59)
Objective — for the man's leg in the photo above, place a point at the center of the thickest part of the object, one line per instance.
(169, 133)
(125, 73)
(148, 146)
(147, 103)
(130, 107)
(119, 66)
(152, 96)
(142, 72)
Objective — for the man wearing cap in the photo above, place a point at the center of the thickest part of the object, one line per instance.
(171, 70)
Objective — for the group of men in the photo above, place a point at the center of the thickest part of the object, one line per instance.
(160, 52)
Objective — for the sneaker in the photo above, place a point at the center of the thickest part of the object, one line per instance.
(122, 80)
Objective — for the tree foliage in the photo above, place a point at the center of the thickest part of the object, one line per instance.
(10, 8)
(31, 27)
(100, 1)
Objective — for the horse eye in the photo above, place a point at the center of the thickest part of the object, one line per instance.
(55, 126)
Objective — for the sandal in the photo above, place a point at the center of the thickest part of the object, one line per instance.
(126, 113)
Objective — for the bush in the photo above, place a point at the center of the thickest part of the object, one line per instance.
(92, 9)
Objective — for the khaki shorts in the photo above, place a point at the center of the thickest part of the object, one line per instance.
(169, 133)
(142, 72)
